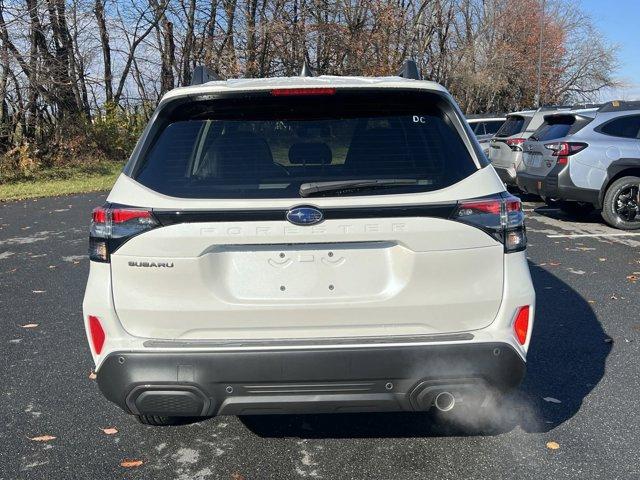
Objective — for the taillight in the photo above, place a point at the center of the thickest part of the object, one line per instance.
(288, 92)
(96, 333)
(112, 226)
(563, 150)
(521, 324)
(499, 215)
(515, 144)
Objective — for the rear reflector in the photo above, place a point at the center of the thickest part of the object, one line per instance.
(521, 324)
(96, 333)
(284, 92)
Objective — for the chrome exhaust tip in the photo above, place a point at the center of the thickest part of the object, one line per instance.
(445, 401)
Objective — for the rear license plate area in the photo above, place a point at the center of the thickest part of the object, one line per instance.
(532, 159)
(281, 273)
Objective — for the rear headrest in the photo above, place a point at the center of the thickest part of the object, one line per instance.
(311, 153)
(379, 150)
(235, 154)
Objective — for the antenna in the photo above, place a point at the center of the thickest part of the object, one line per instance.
(306, 70)
(410, 70)
(202, 74)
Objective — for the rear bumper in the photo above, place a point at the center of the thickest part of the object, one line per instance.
(558, 185)
(389, 378)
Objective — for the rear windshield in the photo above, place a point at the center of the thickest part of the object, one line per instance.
(558, 126)
(267, 146)
(513, 125)
(492, 126)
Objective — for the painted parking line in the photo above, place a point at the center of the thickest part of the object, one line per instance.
(580, 235)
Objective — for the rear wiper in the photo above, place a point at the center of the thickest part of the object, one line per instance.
(308, 189)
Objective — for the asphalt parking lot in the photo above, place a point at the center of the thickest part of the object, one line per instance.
(580, 394)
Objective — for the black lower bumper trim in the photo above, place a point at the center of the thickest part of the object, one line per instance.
(390, 378)
(557, 185)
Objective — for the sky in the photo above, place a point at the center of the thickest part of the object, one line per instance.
(619, 22)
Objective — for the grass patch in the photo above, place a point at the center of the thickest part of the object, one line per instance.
(63, 181)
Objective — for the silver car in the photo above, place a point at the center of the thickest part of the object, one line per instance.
(505, 152)
(484, 128)
(588, 159)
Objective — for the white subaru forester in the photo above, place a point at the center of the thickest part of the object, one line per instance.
(307, 245)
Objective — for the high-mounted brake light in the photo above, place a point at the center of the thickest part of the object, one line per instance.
(112, 226)
(499, 215)
(563, 150)
(515, 144)
(521, 324)
(97, 334)
(288, 92)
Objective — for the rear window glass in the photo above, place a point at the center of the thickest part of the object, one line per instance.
(491, 127)
(265, 146)
(513, 125)
(626, 127)
(558, 126)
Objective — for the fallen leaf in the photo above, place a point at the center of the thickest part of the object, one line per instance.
(92, 375)
(110, 430)
(237, 476)
(128, 463)
(29, 325)
(43, 438)
(553, 445)
(38, 291)
(551, 400)
(577, 272)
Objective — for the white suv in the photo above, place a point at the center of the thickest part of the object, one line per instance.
(307, 245)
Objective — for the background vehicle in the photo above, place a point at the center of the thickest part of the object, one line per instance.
(588, 159)
(538, 159)
(505, 152)
(484, 127)
(328, 244)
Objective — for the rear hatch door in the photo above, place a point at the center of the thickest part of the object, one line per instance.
(240, 254)
(500, 153)
(538, 159)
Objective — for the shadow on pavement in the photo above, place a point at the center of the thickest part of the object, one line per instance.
(566, 361)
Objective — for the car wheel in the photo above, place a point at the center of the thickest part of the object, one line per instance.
(621, 208)
(575, 209)
(164, 421)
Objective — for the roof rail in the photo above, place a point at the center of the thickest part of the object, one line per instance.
(547, 108)
(306, 70)
(586, 105)
(410, 70)
(202, 74)
(620, 106)
(474, 116)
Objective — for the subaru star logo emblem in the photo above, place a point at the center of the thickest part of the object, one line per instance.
(304, 216)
